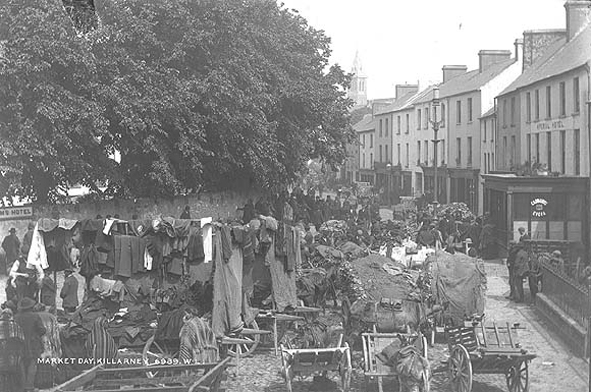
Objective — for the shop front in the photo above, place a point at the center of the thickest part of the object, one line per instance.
(463, 187)
(429, 174)
(549, 208)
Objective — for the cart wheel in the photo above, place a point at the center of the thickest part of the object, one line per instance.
(460, 369)
(246, 349)
(158, 353)
(518, 377)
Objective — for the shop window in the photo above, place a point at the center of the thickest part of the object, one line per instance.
(575, 207)
(556, 208)
(522, 204)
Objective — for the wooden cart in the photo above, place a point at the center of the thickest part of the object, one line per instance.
(168, 378)
(306, 362)
(374, 343)
(486, 350)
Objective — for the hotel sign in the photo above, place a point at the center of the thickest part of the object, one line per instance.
(13, 213)
(553, 125)
(539, 207)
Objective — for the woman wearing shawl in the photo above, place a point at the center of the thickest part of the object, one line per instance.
(100, 344)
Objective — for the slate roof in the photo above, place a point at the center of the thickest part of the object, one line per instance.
(559, 58)
(408, 100)
(489, 113)
(367, 123)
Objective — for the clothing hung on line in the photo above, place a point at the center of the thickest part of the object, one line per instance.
(227, 290)
(207, 239)
(283, 282)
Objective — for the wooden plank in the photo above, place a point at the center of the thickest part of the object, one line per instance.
(510, 336)
(143, 381)
(143, 389)
(497, 334)
(78, 381)
(210, 376)
(170, 368)
(249, 332)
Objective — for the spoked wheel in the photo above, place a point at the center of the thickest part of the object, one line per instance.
(159, 353)
(246, 348)
(518, 377)
(460, 369)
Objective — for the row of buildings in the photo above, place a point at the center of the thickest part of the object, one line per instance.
(513, 135)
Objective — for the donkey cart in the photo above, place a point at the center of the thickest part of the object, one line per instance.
(486, 350)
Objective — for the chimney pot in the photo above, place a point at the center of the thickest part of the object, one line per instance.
(490, 57)
(578, 15)
(451, 71)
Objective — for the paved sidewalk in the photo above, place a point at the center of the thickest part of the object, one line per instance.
(555, 368)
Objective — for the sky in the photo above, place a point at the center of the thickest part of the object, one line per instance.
(409, 41)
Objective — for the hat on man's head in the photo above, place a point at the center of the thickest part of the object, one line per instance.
(31, 225)
(26, 304)
(12, 230)
(556, 253)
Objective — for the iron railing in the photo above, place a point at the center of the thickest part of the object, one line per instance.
(569, 295)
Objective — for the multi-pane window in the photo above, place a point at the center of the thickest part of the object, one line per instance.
(398, 152)
(469, 150)
(363, 162)
(398, 121)
(371, 140)
(386, 154)
(485, 130)
(548, 102)
(512, 111)
(577, 151)
(418, 151)
(387, 128)
(562, 93)
(504, 113)
(442, 115)
(563, 152)
(576, 95)
(407, 154)
(528, 142)
(426, 152)
(419, 119)
(381, 129)
(469, 109)
(427, 117)
(381, 157)
(528, 107)
(537, 147)
(371, 160)
(458, 112)
(505, 152)
(537, 104)
(549, 148)
(443, 151)
(513, 150)
(407, 123)
(459, 151)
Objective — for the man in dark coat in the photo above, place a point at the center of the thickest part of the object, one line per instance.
(12, 246)
(186, 213)
(69, 292)
(33, 329)
(521, 269)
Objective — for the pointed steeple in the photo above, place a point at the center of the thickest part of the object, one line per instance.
(357, 68)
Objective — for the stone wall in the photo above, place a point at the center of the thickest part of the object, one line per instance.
(221, 205)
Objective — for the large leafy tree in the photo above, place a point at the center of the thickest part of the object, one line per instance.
(191, 93)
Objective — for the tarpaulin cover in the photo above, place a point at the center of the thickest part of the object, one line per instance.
(459, 280)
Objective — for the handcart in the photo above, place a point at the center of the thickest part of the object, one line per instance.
(374, 343)
(305, 362)
(172, 378)
(486, 350)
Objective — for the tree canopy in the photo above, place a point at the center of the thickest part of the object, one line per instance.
(192, 94)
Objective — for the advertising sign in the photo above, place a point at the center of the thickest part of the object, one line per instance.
(13, 213)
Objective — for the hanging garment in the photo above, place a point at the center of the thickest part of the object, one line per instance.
(100, 343)
(37, 256)
(195, 247)
(198, 342)
(227, 291)
(89, 260)
(207, 239)
(52, 347)
(283, 282)
(148, 259)
(56, 246)
(226, 234)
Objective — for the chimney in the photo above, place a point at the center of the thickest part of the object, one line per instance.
(535, 43)
(404, 89)
(451, 71)
(578, 15)
(486, 58)
(518, 49)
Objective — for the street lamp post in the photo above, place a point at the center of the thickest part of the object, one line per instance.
(435, 123)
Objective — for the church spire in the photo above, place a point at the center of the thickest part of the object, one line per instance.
(357, 68)
(358, 90)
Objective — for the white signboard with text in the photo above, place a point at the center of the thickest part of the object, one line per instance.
(12, 213)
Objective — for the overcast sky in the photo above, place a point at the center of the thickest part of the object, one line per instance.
(409, 41)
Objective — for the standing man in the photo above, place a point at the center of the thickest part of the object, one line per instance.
(521, 270)
(186, 213)
(33, 330)
(69, 292)
(513, 249)
(12, 246)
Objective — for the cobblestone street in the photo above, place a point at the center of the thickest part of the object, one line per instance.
(555, 369)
